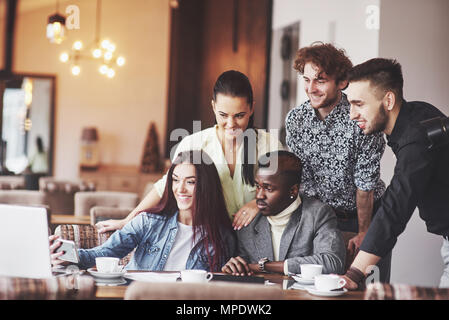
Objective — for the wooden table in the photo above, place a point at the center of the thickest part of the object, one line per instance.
(118, 292)
(57, 219)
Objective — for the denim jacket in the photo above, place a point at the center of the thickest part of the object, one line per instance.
(153, 235)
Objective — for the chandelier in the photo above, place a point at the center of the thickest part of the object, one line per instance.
(103, 51)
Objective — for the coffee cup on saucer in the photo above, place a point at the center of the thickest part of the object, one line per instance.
(107, 264)
(328, 282)
(310, 271)
(199, 276)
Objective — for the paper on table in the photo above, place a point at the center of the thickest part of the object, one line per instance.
(298, 286)
(153, 276)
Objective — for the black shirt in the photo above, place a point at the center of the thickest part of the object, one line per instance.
(421, 179)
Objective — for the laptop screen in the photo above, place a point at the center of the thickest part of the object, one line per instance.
(24, 247)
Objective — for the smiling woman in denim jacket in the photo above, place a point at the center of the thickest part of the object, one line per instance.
(189, 229)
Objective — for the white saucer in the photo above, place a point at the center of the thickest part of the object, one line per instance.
(301, 280)
(298, 286)
(106, 275)
(314, 291)
(110, 282)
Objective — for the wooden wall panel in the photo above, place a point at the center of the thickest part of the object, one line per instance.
(222, 35)
(185, 61)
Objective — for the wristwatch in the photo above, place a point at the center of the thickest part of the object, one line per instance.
(262, 264)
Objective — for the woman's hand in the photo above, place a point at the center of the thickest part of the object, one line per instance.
(245, 215)
(55, 255)
(110, 225)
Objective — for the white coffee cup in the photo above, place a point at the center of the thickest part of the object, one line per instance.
(310, 271)
(199, 276)
(107, 264)
(328, 282)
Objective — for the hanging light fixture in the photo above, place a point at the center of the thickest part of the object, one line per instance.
(102, 50)
(174, 4)
(56, 26)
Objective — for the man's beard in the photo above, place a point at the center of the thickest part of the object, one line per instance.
(329, 102)
(380, 121)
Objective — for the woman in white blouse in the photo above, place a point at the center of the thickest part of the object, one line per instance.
(234, 146)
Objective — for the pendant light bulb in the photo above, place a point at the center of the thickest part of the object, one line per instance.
(103, 69)
(108, 55)
(76, 70)
(77, 45)
(111, 73)
(96, 53)
(121, 61)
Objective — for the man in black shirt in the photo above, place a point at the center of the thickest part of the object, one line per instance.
(421, 175)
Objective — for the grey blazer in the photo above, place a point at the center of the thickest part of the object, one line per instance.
(311, 236)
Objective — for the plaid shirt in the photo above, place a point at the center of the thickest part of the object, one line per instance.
(337, 157)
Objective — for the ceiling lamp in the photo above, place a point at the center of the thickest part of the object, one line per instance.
(103, 50)
(56, 27)
(174, 4)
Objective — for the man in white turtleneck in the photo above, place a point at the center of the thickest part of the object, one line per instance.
(290, 229)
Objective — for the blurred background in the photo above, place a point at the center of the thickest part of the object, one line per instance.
(125, 73)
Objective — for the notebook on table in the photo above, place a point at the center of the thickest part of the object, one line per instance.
(232, 278)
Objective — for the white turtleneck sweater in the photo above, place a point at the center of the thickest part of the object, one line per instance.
(278, 224)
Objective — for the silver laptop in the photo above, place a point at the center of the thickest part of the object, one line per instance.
(24, 247)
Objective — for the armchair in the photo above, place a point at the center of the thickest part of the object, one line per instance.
(61, 193)
(23, 197)
(26, 198)
(101, 213)
(12, 182)
(84, 201)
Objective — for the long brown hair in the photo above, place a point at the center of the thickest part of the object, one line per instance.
(210, 217)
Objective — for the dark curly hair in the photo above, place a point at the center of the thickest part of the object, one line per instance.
(325, 56)
(289, 165)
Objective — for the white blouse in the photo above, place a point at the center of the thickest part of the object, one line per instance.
(236, 192)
